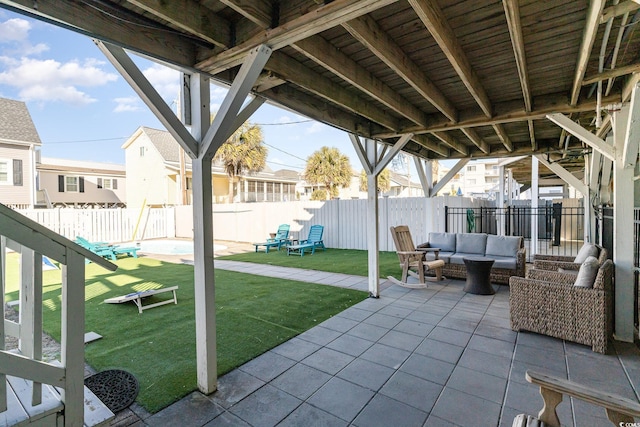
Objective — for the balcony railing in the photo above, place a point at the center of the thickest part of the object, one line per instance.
(29, 386)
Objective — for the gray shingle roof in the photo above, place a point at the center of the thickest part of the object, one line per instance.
(16, 123)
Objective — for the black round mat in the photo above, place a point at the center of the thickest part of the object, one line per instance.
(117, 389)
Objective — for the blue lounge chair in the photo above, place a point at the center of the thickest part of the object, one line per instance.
(106, 250)
(313, 241)
(280, 239)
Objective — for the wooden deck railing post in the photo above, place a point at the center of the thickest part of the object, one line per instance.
(72, 333)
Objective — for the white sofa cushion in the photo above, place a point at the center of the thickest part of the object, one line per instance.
(587, 274)
(587, 250)
(445, 241)
(504, 246)
(471, 243)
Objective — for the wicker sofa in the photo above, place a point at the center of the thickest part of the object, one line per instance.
(508, 252)
(548, 303)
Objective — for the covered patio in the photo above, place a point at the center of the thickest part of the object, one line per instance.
(555, 82)
(431, 357)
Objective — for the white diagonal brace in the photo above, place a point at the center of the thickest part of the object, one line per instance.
(425, 175)
(246, 112)
(564, 174)
(454, 170)
(582, 134)
(399, 145)
(132, 74)
(632, 138)
(594, 170)
(225, 119)
(357, 146)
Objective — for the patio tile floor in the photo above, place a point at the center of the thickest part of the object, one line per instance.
(434, 357)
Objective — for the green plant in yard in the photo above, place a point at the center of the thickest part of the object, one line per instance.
(347, 261)
(253, 315)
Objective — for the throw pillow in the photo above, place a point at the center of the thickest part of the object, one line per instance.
(587, 250)
(587, 274)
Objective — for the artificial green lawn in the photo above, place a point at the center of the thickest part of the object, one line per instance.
(347, 261)
(253, 314)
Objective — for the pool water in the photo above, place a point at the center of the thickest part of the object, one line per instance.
(171, 247)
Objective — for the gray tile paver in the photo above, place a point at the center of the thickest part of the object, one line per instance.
(385, 362)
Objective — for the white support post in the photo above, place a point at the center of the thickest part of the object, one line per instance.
(26, 315)
(502, 229)
(595, 164)
(367, 152)
(622, 223)
(509, 187)
(373, 229)
(205, 311)
(72, 334)
(534, 205)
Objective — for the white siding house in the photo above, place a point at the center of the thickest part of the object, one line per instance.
(19, 141)
(152, 160)
(73, 183)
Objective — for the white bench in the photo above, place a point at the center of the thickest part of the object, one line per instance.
(136, 297)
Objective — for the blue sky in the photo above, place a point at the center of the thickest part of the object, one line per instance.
(84, 110)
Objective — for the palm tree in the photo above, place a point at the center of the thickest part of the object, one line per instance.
(384, 181)
(242, 153)
(330, 167)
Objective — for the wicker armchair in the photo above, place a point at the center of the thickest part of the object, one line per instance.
(548, 303)
(555, 262)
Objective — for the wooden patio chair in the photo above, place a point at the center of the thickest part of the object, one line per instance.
(413, 261)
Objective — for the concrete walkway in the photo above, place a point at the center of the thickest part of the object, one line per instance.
(431, 357)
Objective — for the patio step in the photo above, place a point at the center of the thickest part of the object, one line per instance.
(20, 411)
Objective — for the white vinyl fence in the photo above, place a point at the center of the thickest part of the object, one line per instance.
(107, 225)
(345, 221)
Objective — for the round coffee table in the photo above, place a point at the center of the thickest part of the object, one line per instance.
(478, 275)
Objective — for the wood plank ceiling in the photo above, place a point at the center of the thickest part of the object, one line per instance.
(468, 78)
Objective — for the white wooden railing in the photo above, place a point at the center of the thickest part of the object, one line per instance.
(32, 241)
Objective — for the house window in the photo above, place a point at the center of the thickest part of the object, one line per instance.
(5, 172)
(141, 151)
(71, 184)
(471, 181)
(471, 168)
(189, 183)
(108, 183)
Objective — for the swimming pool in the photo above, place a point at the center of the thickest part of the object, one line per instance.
(171, 247)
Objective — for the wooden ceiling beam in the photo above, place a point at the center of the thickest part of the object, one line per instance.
(190, 16)
(309, 24)
(319, 110)
(435, 21)
(452, 142)
(504, 138)
(430, 145)
(293, 71)
(129, 33)
(257, 11)
(512, 116)
(325, 54)
(476, 139)
(619, 9)
(512, 13)
(369, 33)
(588, 38)
(610, 74)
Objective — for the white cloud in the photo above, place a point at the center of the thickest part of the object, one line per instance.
(165, 80)
(315, 128)
(15, 32)
(127, 105)
(50, 80)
